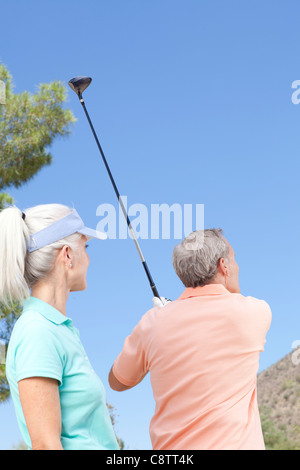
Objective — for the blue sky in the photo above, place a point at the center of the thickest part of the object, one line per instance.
(192, 103)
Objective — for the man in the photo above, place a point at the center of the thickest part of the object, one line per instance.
(202, 352)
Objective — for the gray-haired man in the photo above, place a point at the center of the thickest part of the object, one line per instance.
(202, 352)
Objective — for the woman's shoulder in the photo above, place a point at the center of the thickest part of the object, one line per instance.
(30, 324)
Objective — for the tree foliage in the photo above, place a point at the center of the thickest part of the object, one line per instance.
(277, 438)
(8, 317)
(28, 125)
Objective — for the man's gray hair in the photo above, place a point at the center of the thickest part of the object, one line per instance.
(196, 258)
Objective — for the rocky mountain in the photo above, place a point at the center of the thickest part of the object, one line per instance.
(279, 403)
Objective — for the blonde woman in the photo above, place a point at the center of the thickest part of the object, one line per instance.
(59, 401)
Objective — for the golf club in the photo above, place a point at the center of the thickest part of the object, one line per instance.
(78, 85)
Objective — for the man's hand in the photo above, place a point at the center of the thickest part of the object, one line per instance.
(160, 301)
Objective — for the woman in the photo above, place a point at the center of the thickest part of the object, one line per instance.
(59, 401)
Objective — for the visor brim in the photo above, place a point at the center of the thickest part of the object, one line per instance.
(90, 233)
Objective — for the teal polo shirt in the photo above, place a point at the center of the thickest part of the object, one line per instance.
(44, 343)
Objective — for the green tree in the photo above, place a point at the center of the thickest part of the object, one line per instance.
(276, 438)
(29, 123)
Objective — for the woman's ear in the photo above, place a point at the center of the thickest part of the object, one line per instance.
(65, 255)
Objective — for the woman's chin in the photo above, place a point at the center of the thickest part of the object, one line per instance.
(79, 288)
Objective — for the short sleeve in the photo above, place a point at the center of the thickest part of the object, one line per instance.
(254, 323)
(131, 364)
(265, 319)
(38, 353)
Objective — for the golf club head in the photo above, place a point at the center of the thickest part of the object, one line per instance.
(79, 84)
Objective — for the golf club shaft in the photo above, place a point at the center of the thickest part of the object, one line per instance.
(151, 282)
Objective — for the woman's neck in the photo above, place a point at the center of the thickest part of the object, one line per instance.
(55, 295)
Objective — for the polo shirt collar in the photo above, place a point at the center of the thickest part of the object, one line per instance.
(45, 309)
(209, 289)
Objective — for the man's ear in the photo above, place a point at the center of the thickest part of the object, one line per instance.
(223, 267)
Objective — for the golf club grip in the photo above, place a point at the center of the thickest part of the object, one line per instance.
(152, 285)
(151, 282)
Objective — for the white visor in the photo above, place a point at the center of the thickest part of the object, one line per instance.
(71, 223)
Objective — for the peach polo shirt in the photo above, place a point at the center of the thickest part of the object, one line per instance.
(202, 352)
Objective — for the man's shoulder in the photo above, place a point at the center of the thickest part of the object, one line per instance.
(255, 301)
(253, 305)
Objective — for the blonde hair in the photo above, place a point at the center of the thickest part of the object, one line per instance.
(19, 269)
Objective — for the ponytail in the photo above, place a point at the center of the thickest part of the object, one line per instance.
(13, 236)
(19, 269)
